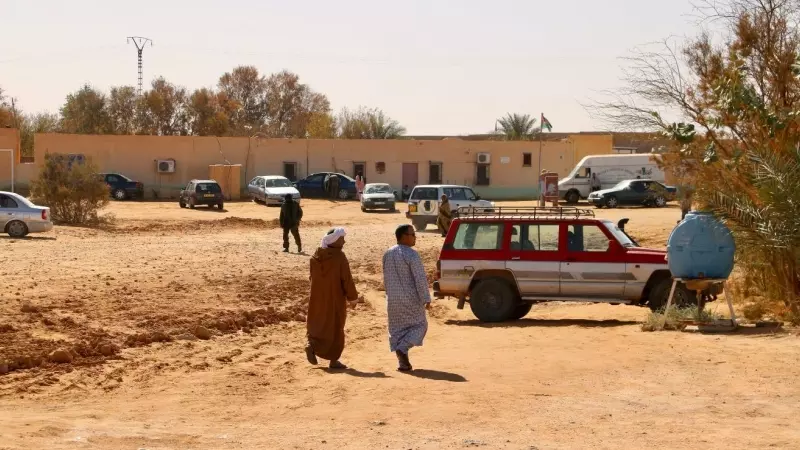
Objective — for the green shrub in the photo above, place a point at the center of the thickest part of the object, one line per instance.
(73, 191)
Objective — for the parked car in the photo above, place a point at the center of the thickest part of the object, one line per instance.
(314, 185)
(423, 203)
(122, 187)
(378, 196)
(201, 192)
(505, 261)
(271, 189)
(634, 192)
(609, 170)
(19, 216)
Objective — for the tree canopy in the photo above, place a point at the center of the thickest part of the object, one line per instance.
(730, 108)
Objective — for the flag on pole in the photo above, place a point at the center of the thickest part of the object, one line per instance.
(546, 124)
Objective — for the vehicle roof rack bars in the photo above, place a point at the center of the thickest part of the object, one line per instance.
(527, 212)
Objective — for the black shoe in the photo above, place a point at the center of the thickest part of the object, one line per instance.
(404, 363)
(310, 356)
(299, 249)
(286, 250)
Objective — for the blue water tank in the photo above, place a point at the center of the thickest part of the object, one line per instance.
(700, 247)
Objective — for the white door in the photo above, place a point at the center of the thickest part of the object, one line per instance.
(535, 260)
(591, 268)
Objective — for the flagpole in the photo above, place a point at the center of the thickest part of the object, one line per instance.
(541, 183)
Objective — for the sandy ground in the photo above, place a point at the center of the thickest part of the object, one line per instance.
(124, 303)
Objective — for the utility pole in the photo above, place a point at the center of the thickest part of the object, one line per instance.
(140, 43)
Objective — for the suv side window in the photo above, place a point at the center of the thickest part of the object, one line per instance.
(479, 236)
(586, 238)
(456, 193)
(541, 237)
(425, 194)
(112, 179)
(638, 186)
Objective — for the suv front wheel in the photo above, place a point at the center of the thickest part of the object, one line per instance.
(493, 300)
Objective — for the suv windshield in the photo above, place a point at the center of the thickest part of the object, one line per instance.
(619, 234)
(278, 182)
(208, 188)
(379, 189)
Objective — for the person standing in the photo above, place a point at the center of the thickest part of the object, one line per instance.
(334, 185)
(290, 217)
(407, 296)
(359, 186)
(595, 183)
(445, 216)
(331, 288)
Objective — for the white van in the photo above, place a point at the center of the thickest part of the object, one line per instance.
(423, 204)
(609, 170)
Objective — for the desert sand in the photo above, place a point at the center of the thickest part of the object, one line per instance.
(125, 305)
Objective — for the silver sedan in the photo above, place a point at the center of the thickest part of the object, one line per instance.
(18, 216)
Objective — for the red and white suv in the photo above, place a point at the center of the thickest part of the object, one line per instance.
(502, 262)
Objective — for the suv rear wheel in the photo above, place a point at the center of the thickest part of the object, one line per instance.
(493, 300)
(660, 295)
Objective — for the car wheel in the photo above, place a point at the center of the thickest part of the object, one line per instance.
(119, 194)
(343, 194)
(220, 206)
(191, 203)
(660, 201)
(572, 197)
(419, 225)
(182, 205)
(612, 201)
(492, 300)
(521, 310)
(17, 229)
(363, 209)
(660, 295)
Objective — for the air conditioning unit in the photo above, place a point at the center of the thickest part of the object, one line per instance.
(166, 166)
(484, 158)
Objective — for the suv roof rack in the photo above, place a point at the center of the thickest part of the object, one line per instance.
(526, 212)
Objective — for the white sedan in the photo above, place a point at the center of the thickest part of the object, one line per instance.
(18, 216)
(271, 189)
(377, 196)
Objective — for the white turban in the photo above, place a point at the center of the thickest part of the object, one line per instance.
(329, 239)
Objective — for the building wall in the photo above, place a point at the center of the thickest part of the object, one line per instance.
(9, 140)
(136, 156)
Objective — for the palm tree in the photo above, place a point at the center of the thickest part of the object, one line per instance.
(368, 123)
(517, 127)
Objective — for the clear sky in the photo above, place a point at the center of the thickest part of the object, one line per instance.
(438, 67)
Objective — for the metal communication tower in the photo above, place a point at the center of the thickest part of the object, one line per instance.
(140, 43)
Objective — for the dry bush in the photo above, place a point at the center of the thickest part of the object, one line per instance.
(675, 318)
(74, 192)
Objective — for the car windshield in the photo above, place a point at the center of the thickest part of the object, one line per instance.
(208, 188)
(620, 235)
(378, 189)
(622, 184)
(278, 183)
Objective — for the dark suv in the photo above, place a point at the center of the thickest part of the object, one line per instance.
(201, 192)
(122, 187)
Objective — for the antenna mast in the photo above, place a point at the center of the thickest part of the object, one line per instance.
(140, 43)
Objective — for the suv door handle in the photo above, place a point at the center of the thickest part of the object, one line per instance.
(515, 258)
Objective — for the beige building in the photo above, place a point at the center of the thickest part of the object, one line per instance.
(497, 169)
